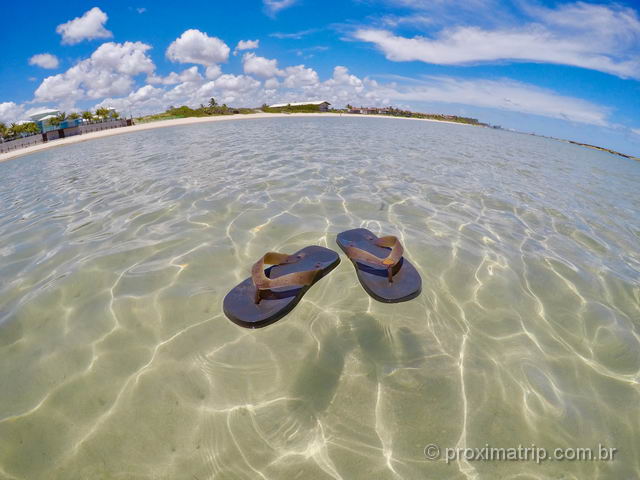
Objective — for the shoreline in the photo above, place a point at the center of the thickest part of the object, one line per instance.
(175, 122)
(185, 121)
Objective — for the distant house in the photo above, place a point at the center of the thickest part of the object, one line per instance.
(369, 110)
(322, 105)
(42, 119)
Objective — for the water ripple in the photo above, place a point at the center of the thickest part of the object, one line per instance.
(115, 254)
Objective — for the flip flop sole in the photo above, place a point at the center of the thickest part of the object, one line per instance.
(239, 305)
(407, 283)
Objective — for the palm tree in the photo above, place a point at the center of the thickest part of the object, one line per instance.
(87, 115)
(14, 130)
(3, 130)
(102, 112)
(31, 128)
(213, 103)
(73, 115)
(115, 115)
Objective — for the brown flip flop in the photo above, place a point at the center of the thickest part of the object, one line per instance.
(382, 270)
(268, 295)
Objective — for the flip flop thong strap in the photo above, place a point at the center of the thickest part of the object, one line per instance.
(391, 260)
(262, 282)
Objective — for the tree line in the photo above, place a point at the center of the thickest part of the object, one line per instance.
(16, 130)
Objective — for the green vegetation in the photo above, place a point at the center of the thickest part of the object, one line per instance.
(396, 112)
(16, 131)
(292, 109)
(448, 118)
(213, 109)
(58, 119)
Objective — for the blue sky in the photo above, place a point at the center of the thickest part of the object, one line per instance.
(564, 69)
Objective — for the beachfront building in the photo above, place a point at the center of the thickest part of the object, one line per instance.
(369, 110)
(43, 118)
(321, 105)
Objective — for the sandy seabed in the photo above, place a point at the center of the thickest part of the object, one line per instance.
(182, 121)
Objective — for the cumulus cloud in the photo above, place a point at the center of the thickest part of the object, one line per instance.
(212, 72)
(87, 27)
(109, 71)
(271, 83)
(603, 38)
(259, 66)
(149, 99)
(188, 75)
(44, 60)
(341, 76)
(194, 46)
(299, 76)
(10, 112)
(110, 74)
(246, 45)
(237, 83)
(274, 6)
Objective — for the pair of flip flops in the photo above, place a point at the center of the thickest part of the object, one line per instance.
(268, 295)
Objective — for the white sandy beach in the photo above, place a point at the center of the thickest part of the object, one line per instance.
(186, 121)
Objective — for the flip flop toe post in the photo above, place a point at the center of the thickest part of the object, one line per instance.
(381, 268)
(269, 294)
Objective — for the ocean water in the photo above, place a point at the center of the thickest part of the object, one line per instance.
(116, 361)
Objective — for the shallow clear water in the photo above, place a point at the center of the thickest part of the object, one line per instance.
(117, 362)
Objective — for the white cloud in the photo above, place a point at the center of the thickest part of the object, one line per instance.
(194, 46)
(246, 45)
(583, 35)
(187, 75)
(500, 94)
(271, 83)
(212, 72)
(149, 99)
(636, 131)
(87, 27)
(10, 112)
(274, 6)
(299, 76)
(259, 66)
(293, 35)
(109, 71)
(141, 10)
(299, 83)
(343, 88)
(44, 60)
(236, 83)
(341, 76)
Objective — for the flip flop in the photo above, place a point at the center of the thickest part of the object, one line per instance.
(268, 295)
(382, 270)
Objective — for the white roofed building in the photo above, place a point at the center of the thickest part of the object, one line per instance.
(41, 114)
(322, 105)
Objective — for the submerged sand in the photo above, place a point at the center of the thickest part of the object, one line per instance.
(117, 361)
(182, 121)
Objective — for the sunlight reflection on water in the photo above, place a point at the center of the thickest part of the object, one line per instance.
(117, 362)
